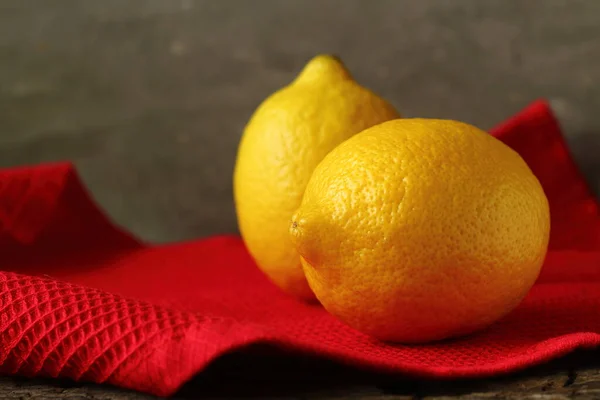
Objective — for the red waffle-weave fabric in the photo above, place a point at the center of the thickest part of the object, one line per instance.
(83, 299)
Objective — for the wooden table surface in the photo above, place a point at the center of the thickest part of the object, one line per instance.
(149, 98)
(271, 376)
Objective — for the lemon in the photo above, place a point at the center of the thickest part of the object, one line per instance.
(285, 139)
(420, 229)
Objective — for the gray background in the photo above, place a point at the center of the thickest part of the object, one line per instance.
(149, 97)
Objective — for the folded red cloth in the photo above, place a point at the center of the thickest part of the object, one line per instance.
(83, 299)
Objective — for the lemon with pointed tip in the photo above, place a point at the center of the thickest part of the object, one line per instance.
(285, 139)
(420, 229)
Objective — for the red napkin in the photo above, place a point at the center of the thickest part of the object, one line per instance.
(83, 299)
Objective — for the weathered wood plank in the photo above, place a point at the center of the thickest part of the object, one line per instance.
(274, 376)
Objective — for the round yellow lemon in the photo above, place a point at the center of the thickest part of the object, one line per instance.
(420, 229)
(285, 139)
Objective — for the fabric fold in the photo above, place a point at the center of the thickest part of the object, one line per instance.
(83, 299)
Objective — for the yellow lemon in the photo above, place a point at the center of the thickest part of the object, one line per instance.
(420, 229)
(288, 135)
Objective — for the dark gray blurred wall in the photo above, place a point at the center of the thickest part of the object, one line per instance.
(149, 97)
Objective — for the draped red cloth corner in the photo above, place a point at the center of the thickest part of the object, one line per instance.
(82, 299)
